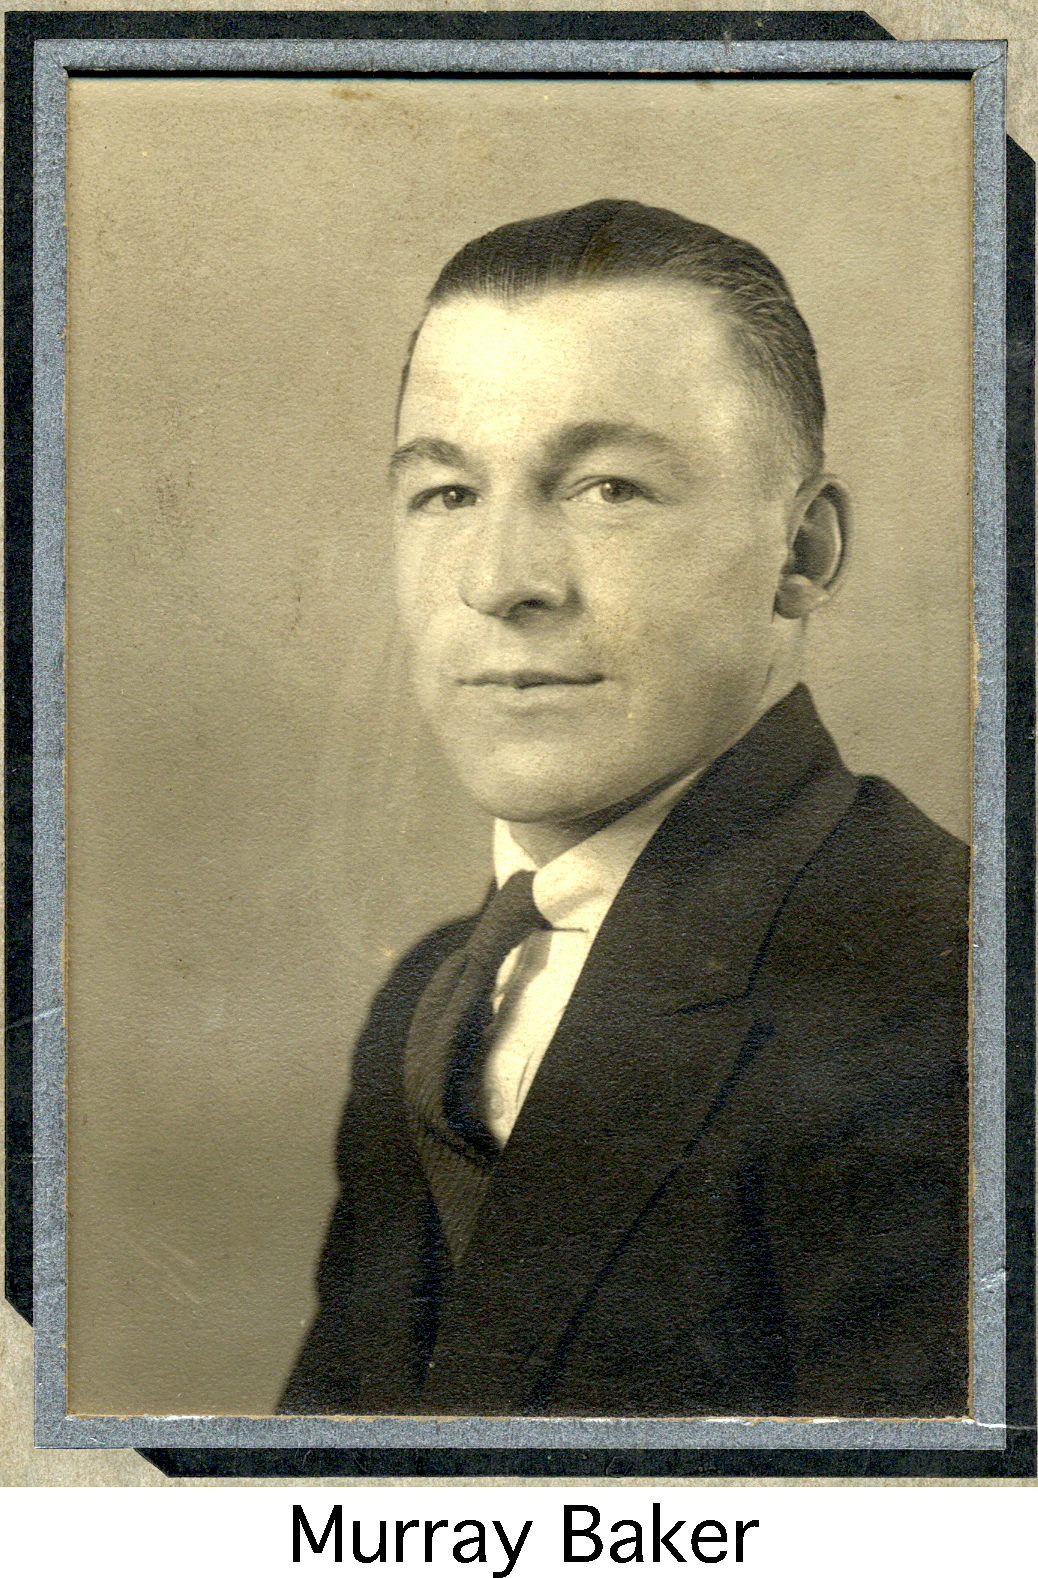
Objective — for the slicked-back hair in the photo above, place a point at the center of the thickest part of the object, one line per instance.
(621, 240)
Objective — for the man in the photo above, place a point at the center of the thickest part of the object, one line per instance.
(687, 1133)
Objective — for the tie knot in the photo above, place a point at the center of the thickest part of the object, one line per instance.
(507, 919)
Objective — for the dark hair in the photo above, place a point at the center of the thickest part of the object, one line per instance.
(616, 239)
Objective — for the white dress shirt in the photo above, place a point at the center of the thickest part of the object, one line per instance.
(573, 892)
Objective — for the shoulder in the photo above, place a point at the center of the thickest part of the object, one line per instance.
(902, 845)
(866, 971)
(865, 984)
(884, 857)
(382, 1039)
(415, 969)
(409, 978)
(874, 934)
(891, 875)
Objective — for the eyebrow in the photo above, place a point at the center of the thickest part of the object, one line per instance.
(437, 450)
(573, 443)
(569, 444)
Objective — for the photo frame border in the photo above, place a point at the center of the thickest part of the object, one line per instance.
(991, 1435)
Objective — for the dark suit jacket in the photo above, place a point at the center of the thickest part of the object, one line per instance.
(739, 1182)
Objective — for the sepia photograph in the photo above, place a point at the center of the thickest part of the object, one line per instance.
(575, 535)
(519, 755)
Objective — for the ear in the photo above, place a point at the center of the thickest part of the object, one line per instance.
(819, 539)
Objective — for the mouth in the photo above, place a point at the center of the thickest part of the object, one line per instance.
(528, 678)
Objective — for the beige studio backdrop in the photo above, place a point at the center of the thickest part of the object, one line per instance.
(258, 824)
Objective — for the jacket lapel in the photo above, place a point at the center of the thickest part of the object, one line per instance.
(643, 1058)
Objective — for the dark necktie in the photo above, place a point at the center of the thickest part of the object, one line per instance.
(447, 1046)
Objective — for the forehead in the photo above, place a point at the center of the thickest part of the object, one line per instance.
(648, 354)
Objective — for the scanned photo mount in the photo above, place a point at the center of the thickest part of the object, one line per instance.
(569, 499)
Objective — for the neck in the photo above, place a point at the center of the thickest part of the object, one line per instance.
(544, 841)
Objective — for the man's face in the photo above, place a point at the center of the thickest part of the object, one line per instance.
(587, 543)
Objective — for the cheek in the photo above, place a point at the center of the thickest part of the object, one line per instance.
(738, 599)
(694, 614)
(412, 582)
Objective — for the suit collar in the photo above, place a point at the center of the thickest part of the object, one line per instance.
(684, 892)
(656, 1032)
(576, 889)
(690, 922)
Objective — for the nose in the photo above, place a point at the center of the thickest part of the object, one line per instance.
(513, 559)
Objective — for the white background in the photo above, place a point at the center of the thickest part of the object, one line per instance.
(804, 1530)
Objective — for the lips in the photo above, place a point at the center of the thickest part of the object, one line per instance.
(528, 678)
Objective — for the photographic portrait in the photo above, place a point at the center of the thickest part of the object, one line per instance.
(406, 557)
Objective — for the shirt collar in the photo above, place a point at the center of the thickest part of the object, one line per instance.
(574, 891)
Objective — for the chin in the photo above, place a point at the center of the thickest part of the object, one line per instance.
(540, 797)
(535, 809)
(525, 797)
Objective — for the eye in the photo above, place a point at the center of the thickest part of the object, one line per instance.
(610, 490)
(453, 497)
